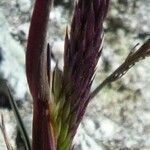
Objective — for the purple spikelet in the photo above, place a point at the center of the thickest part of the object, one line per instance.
(60, 101)
(82, 51)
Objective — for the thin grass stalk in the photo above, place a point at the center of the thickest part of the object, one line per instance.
(133, 57)
(3, 129)
(4, 89)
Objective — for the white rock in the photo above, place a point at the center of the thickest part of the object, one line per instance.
(86, 141)
(25, 28)
(13, 65)
(90, 144)
(107, 128)
(58, 49)
(89, 126)
(24, 5)
(131, 143)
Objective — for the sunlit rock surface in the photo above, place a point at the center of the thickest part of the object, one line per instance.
(12, 65)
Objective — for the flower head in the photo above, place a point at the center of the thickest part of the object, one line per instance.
(82, 51)
(83, 48)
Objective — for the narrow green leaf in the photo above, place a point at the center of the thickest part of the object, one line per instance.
(57, 83)
(64, 132)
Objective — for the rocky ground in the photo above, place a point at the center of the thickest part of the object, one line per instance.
(119, 117)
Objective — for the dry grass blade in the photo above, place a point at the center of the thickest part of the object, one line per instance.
(4, 89)
(132, 58)
(2, 127)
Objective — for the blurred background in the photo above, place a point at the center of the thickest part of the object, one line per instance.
(118, 118)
